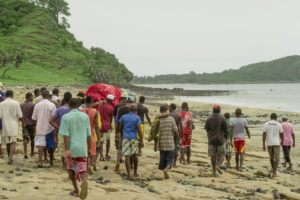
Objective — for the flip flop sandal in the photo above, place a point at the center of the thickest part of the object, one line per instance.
(84, 190)
(73, 193)
(102, 159)
(107, 157)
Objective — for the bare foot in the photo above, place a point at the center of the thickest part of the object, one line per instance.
(32, 155)
(129, 177)
(10, 162)
(166, 175)
(94, 167)
(90, 171)
(214, 174)
(174, 166)
(240, 169)
(117, 168)
(219, 170)
(136, 175)
(26, 157)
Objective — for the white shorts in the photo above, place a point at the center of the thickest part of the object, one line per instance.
(40, 140)
(9, 139)
(106, 136)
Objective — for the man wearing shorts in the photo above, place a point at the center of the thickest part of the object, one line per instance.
(2, 98)
(42, 113)
(228, 141)
(106, 111)
(288, 141)
(143, 111)
(179, 125)
(75, 127)
(28, 132)
(238, 126)
(187, 121)
(11, 114)
(131, 124)
(216, 128)
(273, 133)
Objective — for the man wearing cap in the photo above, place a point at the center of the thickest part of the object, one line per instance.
(288, 141)
(273, 134)
(238, 126)
(2, 98)
(118, 132)
(216, 128)
(106, 111)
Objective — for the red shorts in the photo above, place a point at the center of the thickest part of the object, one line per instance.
(78, 165)
(239, 145)
(187, 141)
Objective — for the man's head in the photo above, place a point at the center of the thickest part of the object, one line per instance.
(274, 116)
(284, 118)
(185, 106)
(55, 92)
(172, 107)
(110, 98)
(43, 89)
(163, 108)
(142, 99)
(74, 103)
(130, 100)
(46, 94)
(217, 109)
(227, 116)
(36, 92)
(67, 97)
(238, 112)
(133, 108)
(89, 100)
(123, 97)
(29, 96)
(9, 94)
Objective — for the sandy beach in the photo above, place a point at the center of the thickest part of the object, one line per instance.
(194, 181)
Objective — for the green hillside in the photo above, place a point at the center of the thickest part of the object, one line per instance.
(281, 70)
(49, 54)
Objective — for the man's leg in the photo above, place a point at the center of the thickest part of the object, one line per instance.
(175, 159)
(74, 182)
(188, 154)
(101, 151)
(136, 162)
(1, 153)
(119, 156)
(41, 151)
(214, 165)
(8, 149)
(11, 152)
(289, 158)
(241, 161)
(107, 149)
(45, 155)
(276, 150)
(182, 155)
(237, 160)
(84, 185)
(127, 164)
(25, 142)
(51, 154)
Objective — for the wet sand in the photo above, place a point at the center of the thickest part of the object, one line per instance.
(194, 181)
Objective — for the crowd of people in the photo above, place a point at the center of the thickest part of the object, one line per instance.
(77, 128)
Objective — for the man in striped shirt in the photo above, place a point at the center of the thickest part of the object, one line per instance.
(165, 142)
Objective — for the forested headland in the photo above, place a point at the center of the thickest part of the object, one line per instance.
(282, 70)
(37, 48)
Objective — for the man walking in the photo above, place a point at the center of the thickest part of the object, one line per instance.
(131, 124)
(288, 141)
(165, 142)
(216, 128)
(75, 127)
(106, 111)
(2, 98)
(11, 114)
(28, 132)
(273, 133)
(238, 127)
(42, 113)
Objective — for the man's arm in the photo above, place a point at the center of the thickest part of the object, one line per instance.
(97, 129)
(120, 129)
(89, 144)
(281, 138)
(294, 141)
(181, 130)
(264, 140)
(140, 135)
(53, 122)
(175, 131)
(247, 131)
(23, 122)
(148, 118)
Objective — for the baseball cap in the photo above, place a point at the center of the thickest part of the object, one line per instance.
(130, 99)
(124, 95)
(111, 97)
(284, 117)
(217, 107)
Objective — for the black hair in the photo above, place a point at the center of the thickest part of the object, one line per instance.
(133, 108)
(45, 94)
(9, 93)
(80, 94)
(55, 91)
(185, 106)
(28, 95)
(227, 115)
(89, 100)
(142, 99)
(43, 89)
(36, 91)
(67, 97)
(173, 106)
(163, 108)
(238, 112)
(274, 116)
(74, 103)
(216, 111)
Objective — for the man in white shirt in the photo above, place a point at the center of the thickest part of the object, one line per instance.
(273, 133)
(55, 99)
(11, 114)
(42, 113)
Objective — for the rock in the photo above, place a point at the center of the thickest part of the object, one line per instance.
(26, 170)
(250, 192)
(106, 181)
(223, 167)
(5, 189)
(18, 169)
(296, 190)
(105, 167)
(11, 171)
(100, 178)
(19, 174)
(36, 187)
(251, 167)
(276, 194)
(259, 190)
(13, 190)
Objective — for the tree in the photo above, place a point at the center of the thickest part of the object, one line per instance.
(10, 57)
(57, 8)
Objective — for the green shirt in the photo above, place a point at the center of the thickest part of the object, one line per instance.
(76, 125)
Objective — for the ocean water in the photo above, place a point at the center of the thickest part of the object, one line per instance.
(284, 97)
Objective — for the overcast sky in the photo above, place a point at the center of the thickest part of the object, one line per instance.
(176, 36)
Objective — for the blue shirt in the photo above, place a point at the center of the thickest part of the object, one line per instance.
(130, 122)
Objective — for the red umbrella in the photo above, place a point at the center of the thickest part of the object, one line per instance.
(100, 91)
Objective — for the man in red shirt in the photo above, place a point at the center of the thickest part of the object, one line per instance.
(106, 111)
(187, 121)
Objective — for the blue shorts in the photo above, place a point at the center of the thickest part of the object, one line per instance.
(166, 159)
(0, 124)
(50, 143)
